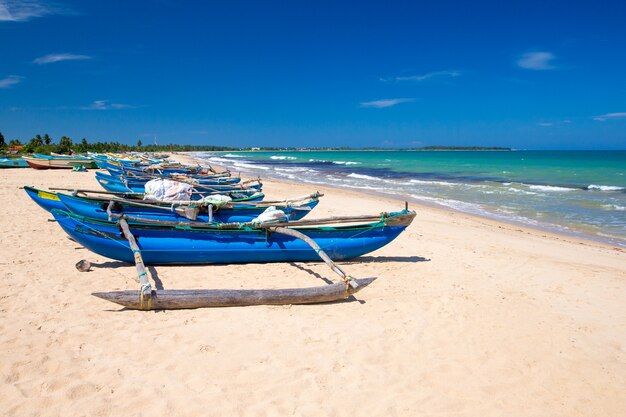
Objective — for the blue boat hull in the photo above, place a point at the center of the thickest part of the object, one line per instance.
(193, 245)
(44, 199)
(97, 209)
(13, 163)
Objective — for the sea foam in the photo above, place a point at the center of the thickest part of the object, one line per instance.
(551, 188)
(605, 187)
(364, 177)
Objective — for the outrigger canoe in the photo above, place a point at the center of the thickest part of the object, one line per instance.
(232, 212)
(197, 243)
(113, 184)
(49, 200)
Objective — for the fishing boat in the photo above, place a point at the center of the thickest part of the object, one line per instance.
(203, 211)
(116, 184)
(49, 200)
(58, 162)
(183, 177)
(199, 243)
(13, 163)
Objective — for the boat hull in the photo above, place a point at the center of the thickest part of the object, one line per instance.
(194, 245)
(13, 163)
(58, 163)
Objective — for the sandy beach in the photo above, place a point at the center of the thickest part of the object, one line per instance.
(468, 317)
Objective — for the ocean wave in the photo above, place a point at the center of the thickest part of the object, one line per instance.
(231, 155)
(282, 157)
(293, 169)
(517, 190)
(244, 165)
(605, 188)
(364, 177)
(552, 188)
(614, 207)
(219, 160)
(345, 163)
(424, 182)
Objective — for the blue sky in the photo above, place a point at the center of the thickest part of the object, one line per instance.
(528, 75)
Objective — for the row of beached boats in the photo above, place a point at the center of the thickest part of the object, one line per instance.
(157, 212)
(89, 160)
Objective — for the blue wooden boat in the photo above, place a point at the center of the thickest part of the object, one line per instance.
(234, 212)
(233, 243)
(111, 183)
(137, 167)
(13, 163)
(138, 176)
(49, 200)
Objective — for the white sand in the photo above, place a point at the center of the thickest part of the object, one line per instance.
(469, 317)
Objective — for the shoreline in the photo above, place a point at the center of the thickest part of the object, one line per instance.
(579, 237)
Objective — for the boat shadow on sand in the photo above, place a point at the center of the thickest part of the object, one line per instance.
(382, 259)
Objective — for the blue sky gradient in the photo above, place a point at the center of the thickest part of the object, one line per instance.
(528, 75)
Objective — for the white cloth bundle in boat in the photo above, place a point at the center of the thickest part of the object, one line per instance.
(160, 189)
(271, 215)
(217, 200)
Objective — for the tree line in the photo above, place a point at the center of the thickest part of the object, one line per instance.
(45, 145)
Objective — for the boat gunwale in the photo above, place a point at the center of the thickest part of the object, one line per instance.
(211, 228)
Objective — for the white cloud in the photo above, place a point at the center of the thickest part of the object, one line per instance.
(23, 10)
(10, 81)
(105, 105)
(429, 75)
(60, 57)
(537, 61)
(609, 116)
(388, 102)
(545, 124)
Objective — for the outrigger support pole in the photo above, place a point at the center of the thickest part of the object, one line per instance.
(145, 293)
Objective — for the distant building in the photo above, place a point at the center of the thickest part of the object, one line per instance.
(255, 149)
(14, 149)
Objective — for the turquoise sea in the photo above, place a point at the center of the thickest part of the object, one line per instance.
(573, 192)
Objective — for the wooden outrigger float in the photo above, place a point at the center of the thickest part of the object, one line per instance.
(187, 299)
